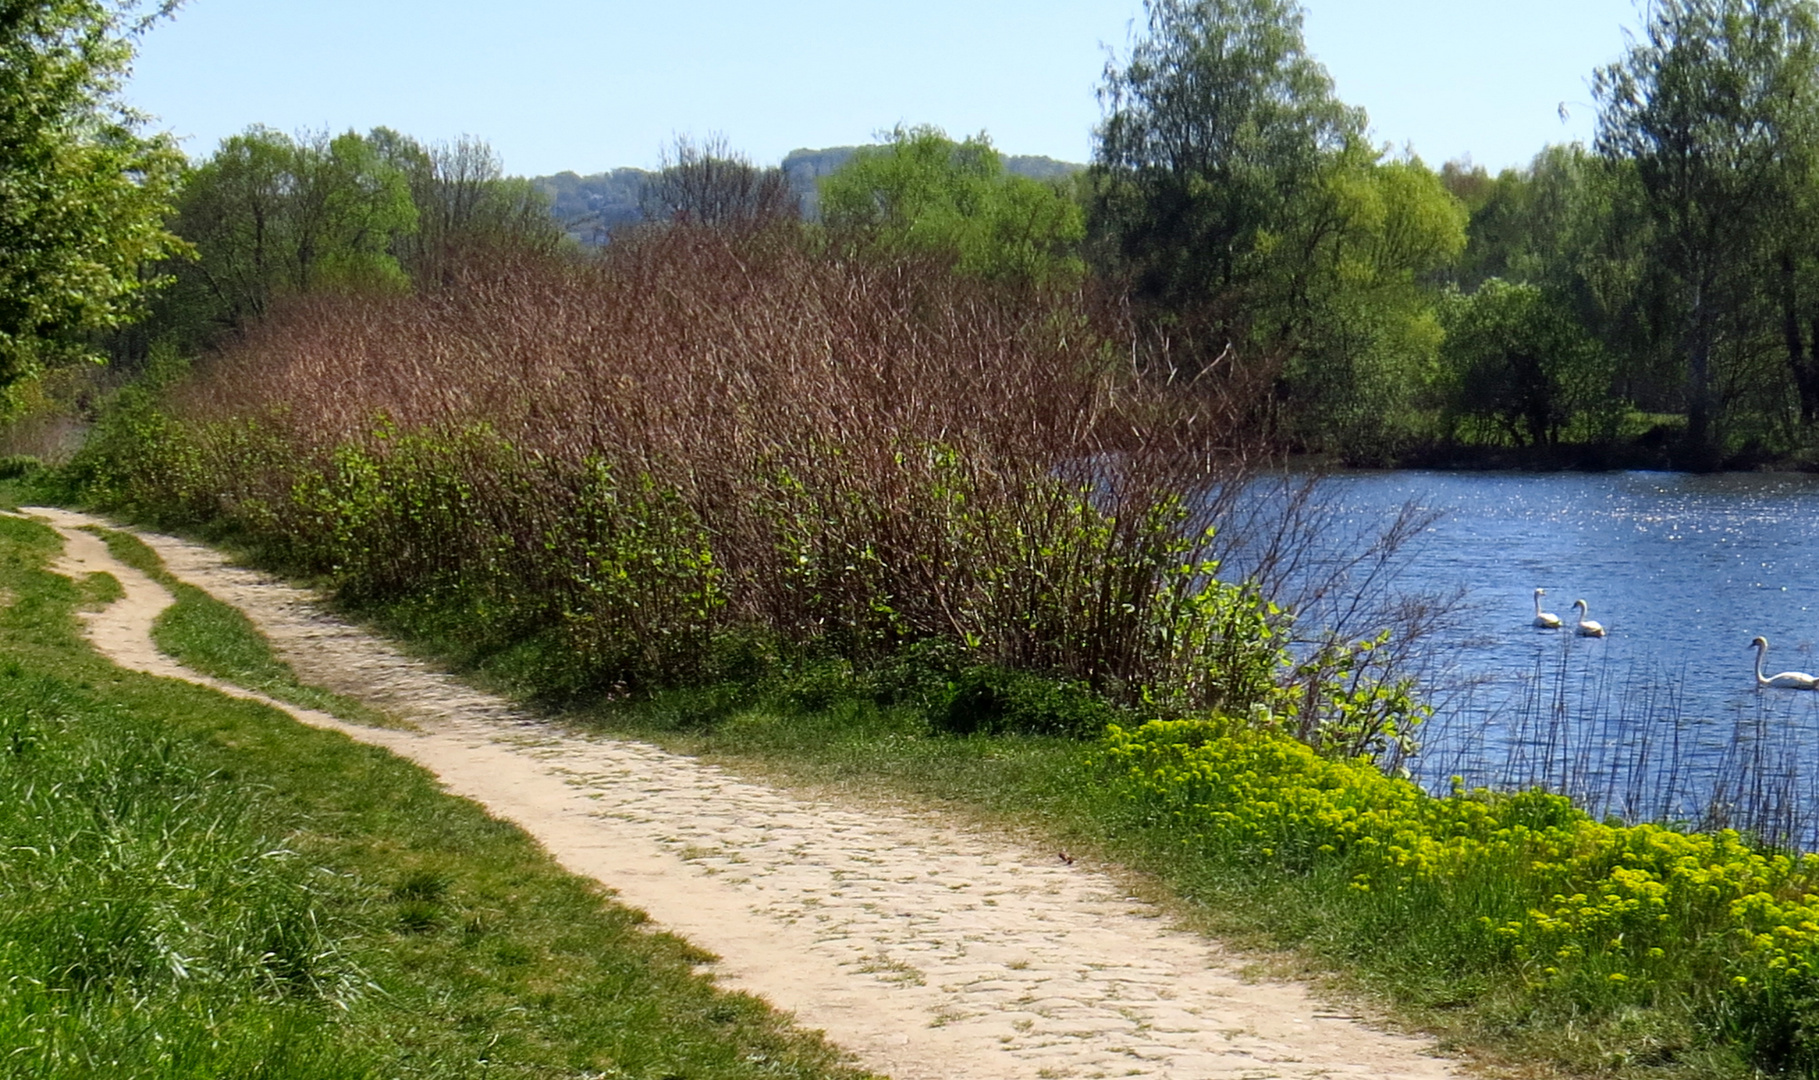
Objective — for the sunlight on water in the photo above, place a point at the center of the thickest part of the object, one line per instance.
(1662, 718)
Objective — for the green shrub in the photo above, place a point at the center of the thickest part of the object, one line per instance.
(998, 701)
(19, 466)
(1585, 918)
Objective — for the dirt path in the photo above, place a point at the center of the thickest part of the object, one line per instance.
(930, 951)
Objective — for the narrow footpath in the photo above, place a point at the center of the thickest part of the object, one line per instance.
(927, 949)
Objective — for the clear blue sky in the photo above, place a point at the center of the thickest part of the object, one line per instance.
(592, 84)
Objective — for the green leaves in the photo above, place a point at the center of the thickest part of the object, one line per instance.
(1218, 131)
(272, 215)
(1716, 107)
(1515, 355)
(82, 195)
(924, 193)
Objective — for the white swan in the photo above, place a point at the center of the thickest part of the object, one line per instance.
(1787, 680)
(1546, 620)
(1585, 626)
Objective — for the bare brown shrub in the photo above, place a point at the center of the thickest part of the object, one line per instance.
(709, 431)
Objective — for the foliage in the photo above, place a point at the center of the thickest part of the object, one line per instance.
(16, 466)
(271, 215)
(197, 887)
(83, 195)
(994, 701)
(942, 459)
(1514, 356)
(464, 202)
(1241, 200)
(1715, 106)
(1598, 915)
(922, 192)
(1364, 371)
(1220, 130)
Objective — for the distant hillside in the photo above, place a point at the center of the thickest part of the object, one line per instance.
(591, 207)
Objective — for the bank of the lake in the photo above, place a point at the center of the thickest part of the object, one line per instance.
(1660, 719)
(1519, 929)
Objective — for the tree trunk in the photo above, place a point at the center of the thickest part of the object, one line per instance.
(1701, 449)
(1804, 365)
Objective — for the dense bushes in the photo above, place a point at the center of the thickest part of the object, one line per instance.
(743, 467)
(615, 473)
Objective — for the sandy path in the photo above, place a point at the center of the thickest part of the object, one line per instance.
(929, 951)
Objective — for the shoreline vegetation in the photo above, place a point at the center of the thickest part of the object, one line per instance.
(943, 487)
(676, 518)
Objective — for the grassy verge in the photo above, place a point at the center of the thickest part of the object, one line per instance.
(1433, 972)
(1403, 949)
(199, 887)
(216, 639)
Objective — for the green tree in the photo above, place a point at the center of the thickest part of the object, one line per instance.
(1517, 358)
(1714, 107)
(1210, 175)
(465, 204)
(923, 192)
(83, 195)
(1362, 373)
(1240, 199)
(271, 215)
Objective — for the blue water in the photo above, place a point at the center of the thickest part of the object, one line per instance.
(1682, 571)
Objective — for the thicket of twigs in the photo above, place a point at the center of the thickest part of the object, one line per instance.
(708, 444)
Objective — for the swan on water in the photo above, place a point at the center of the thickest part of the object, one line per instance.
(1786, 680)
(1585, 626)
(1546, 620)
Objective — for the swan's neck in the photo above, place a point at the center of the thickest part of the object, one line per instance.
(1537, 605)
(1760, 651)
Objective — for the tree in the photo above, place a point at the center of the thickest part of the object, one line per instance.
(269, 215)
(1714, 106)
(465, 204)
(1366, 344)
(1517, 357)
(83, 195)
(713, 186)
(923, 192)
(1211, 165)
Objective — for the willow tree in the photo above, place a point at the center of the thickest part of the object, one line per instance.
(1211, 169)
(1714, 107)
(1242, 201)
(83, 194)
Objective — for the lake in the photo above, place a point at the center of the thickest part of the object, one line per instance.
(1662, 718)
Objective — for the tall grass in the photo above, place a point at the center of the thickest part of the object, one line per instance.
(150, 922)
(1620, 743)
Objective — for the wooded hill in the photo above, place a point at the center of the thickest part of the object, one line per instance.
(590, 207)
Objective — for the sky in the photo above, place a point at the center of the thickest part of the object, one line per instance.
(590, 85)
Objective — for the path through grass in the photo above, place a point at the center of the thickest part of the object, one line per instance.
(201, 887)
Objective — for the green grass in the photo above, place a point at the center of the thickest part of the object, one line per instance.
(812, 732)
(197, 886)
(1306, 924)
(217, 639)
